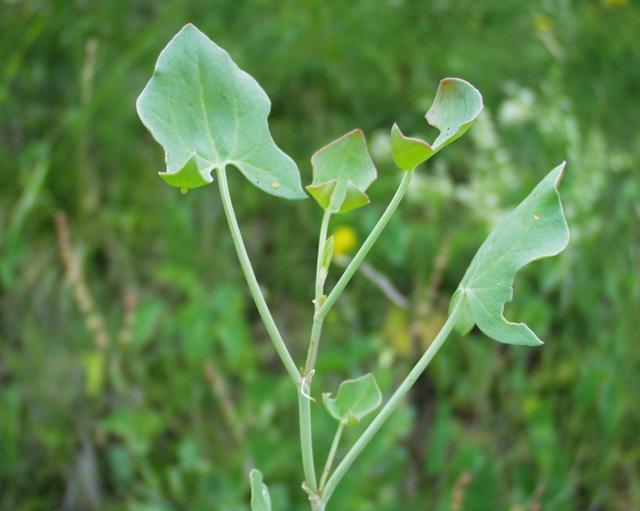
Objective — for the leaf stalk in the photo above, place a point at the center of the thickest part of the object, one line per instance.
(332, 455)
(252, 282)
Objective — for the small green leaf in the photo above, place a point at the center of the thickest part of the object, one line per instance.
(408, 152)
(537, 228)
(456, 106)
(260, 499)
(342, 172)
(355, 400)
(207, 113)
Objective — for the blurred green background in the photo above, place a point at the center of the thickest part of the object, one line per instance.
(134, 372)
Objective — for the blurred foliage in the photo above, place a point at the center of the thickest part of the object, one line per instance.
(187, 395)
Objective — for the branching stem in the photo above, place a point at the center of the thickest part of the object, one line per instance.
(322, 306)
(366, 246)
(304, 397)
(389, 407)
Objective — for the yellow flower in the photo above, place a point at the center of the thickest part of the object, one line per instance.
(344, 240)
(543, 23)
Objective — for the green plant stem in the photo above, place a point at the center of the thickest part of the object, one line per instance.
(304, 396)
(316, 327)
(332, 455)
(366, 246)
(252, 282)
(321, 310)
(389, 407)
(306, 437)
(304, 412)
(322, 241)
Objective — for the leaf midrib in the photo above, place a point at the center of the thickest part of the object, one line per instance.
(204, 110)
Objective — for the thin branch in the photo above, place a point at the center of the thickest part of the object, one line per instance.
(366, 246)
(252, 282)
(389, 407)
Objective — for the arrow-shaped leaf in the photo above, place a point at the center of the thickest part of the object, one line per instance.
(456, 105)
(207, 113)
(342, 172)
(260, 499)
(535, 229)
(355, 399)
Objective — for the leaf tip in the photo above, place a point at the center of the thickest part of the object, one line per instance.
(357, 132)
(558, 174)
(559, 170)
(189, 27)
(452, 81)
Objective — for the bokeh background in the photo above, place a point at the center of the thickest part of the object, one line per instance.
(134, 372)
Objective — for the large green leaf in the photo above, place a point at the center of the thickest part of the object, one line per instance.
(260, 499)
(342, 172)
(355, 399)
(456, 105)
(207, 113)
(535, 229)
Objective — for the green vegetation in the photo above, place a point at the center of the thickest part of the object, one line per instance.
(134, 371)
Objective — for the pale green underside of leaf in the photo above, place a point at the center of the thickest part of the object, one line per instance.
(454, 109)
(355, 399)
(342, 172)
(456, 105)
(204, 110)
(537, 228)
(260, 499)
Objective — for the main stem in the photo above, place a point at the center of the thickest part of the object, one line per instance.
(304, 396)
(366, 246)
(306, 437)
(316, 327)
(322, 242)
(252, 282)
(322, 307)
(389, 407)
